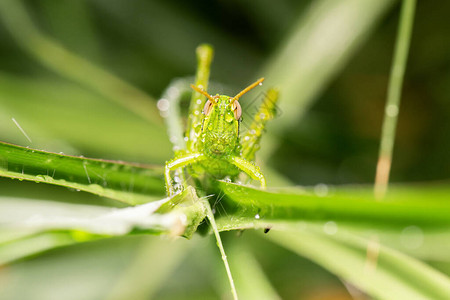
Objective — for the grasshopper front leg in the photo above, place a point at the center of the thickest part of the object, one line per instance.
(250, 169)
(179, 162)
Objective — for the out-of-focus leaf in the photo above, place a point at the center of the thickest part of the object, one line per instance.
(61, 116)
(236, 62)
(319, 45)
(68, 64)
(152, 264)
(383, 273)
(129, 183)
(37, 216)
(251, 282)
(104, 269)
(33, 244)
(24, 223)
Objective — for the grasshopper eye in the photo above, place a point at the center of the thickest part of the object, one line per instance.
(207, 108)
(237, 110)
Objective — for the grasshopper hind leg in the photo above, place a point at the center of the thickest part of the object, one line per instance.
(266, 112)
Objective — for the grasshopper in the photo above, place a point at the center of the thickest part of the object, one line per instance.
(212, 145)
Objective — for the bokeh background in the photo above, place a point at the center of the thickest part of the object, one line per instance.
(71, 71)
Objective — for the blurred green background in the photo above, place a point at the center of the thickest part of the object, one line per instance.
(60, 64)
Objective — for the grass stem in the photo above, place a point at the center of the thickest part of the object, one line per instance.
(393, 98)
(211, 219)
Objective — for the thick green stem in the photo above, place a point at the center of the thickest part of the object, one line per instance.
(393, 98)
(401, 208)
(126, 182)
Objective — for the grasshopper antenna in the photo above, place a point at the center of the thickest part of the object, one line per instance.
(251, 86)
(204, 93)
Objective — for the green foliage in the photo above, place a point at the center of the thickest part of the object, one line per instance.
(126, 182)
(77, 75)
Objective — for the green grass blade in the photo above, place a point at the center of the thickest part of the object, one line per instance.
(39, 216)
(319, 45)
(29, 226)
(393, 99)
(253, 205)
(428, 244)
(251, 282)
(129, 183)
(96, 269)
(34, 244)
(62, 116)
(390, 275)
(69, 65)
(219, 243)
(153, 264)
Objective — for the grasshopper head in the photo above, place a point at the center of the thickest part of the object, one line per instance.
(220, 130)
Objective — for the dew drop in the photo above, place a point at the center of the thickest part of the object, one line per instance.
(392, 110)
(39, 178)
(229, 118)
(321, 190)
(330, 227)
(163, 104)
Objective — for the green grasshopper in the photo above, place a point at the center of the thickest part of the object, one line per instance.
(212, 143)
